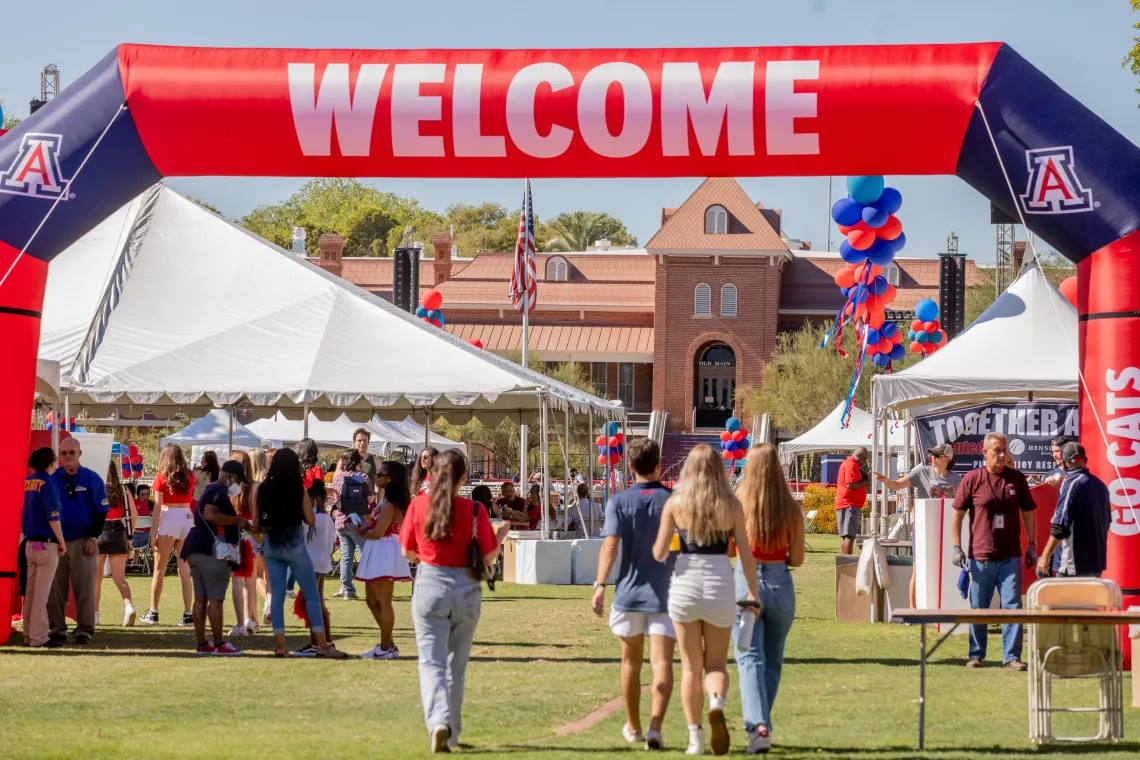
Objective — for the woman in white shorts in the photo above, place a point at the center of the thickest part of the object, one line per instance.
(173, 517)
(702, 596)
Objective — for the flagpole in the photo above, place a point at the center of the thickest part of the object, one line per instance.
(523, 430)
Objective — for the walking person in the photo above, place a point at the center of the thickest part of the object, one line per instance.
(83, 509)
(641, 594)
(244, 582)
(421, 474)
(174, 487)
(382, 565)
(354, 494)
(282, 510)
(215, 522)
(43, 545)
(775, 530)
(1081, 521)
(705, 513)
(442, 531)
(115, 543)
(259, 465)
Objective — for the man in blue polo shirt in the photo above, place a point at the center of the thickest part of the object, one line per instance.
(641, 595)
(1081, 521)
(83, 508)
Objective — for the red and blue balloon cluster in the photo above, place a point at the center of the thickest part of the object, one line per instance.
(430, 309)
(925, 333)
(611, 444)
(735, 441)
(64, 424)
(129, 458)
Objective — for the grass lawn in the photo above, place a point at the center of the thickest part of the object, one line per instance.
(541, 661)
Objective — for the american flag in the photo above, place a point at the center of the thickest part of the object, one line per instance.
(523, 279)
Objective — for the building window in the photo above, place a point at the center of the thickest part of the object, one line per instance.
(625, 385)
(728, 301)
(556, 269)
(702, 300)
(892, 274)
(598, 379)
(716, 221)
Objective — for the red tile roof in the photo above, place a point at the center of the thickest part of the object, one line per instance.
(809, 283)
(565, 342)
(748, 230)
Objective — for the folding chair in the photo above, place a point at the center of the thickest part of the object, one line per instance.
(142, 556)
(1068, 651)
(809, 527)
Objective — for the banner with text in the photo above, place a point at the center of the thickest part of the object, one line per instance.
(1028, 427)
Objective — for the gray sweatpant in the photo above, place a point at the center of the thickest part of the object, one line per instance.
(445, 611)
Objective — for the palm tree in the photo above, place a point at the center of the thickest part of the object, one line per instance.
(573, 231)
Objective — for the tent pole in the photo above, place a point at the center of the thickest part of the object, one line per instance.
(427, 428)
(305, 425)
(589, 463)
(566, 465)
(545, 473)
(66, 411)
(874, 465)
(885, 439)
(55, 423)
(231, 415)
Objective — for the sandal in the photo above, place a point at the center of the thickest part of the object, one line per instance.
(280, 653)
(332, 653)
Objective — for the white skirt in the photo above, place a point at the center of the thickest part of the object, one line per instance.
(703, 589)
(381, 559)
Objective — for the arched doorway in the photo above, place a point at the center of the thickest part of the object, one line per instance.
(715, 386)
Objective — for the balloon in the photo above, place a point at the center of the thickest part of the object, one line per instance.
(929, 327)
(730, 445)
(850, 255)
(1068, 288)
(600, 440)
(897, 338)
(897, 353)
(613, 441)
(875, 217)
(732, 425)
(890, 229)
(136, 459)
(475, 342)
(726, 454)
(861, 240)
(431, 300)
(620, 449)
(921, 337)
(435, 323)
(615, 458)
(133, 450)
(929, 348)
(846, 229)
(910, 334)
(891, 294)
(890, 200)
(620, 437)
(876, 318)
(873, 335)
(926, 310)
(612, 427)
(880, 253)
(916, 325)
(421, 311)
(743, 445)
(937, 337)
(865, 190)
(738, 454)
(872, 348)
(442, 321)
(601, 459)
(861, 272)
(889, 330)
(878, 286)
(916, 347)
(880, 360)
(739, 436)
(725, 436)
(845, 277)
(898, 243)
(885, 345)
(847, 212)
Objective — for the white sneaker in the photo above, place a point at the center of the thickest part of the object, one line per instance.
(252, 626)
(387, 654)
(653, 739)
(696, 742)
(759, 740)
(371, 654)
(96, 618)
(238, 631)
(129, 616)
(439, 738)
(631, 736)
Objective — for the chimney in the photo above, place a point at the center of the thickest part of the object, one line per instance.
(332, 250)
(602, 245)
(442, 244)
(299, 235)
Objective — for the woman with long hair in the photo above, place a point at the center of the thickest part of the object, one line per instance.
(282, 510)
(206, 473)
(421, 473)
(259, 465)
(244, 584)
(171, 521)
(439, 531)
(705, 514)
(381, 563)
(308, 454)
(120, 507)
(775, 529)
(534, 508)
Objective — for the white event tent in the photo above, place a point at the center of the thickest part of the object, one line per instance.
(217, 430)
(338, 434)
(830, 435)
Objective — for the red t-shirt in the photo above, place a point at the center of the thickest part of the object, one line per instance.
(849, 497)
(311, 474)
(169, 498)
(534, 514)
(995, 504)
(454, 550)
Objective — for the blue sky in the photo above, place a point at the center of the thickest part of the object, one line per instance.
(1079, 45)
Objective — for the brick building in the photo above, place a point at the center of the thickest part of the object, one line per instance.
(673, 326)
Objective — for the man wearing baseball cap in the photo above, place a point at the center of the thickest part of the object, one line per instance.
(1081, 521)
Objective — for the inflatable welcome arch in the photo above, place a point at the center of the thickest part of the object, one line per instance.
(976, 110)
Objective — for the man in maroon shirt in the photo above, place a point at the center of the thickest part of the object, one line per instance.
(997, 499)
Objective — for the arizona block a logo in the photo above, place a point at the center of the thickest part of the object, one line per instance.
(35, 171)
(1053, 186)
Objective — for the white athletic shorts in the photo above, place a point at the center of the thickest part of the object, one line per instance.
(175, 522)
(628, 624)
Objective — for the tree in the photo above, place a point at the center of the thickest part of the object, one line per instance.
(207, 206)
(1132, 60)
(578, 230)
(9, 121)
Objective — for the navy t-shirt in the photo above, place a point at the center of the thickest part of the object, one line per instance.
(81, 496)
(634, 516)
(200, 539)
(41, 506)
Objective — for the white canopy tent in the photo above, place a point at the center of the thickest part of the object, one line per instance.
(416, 435)
(215, 430)
(338, 433)
(829, 435)
(166, 307)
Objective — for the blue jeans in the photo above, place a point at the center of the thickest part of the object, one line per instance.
(279, 560)
(445, 611)
(1005, 576)
(759, 669)
(350, 541)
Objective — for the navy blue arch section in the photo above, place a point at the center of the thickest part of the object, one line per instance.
(115, 173)
(1047, 138)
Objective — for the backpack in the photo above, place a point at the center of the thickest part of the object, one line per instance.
(354, 496)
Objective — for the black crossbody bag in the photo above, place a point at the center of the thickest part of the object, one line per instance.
(478, 567)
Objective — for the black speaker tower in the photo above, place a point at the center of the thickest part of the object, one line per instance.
(952, 293)
(406, 278)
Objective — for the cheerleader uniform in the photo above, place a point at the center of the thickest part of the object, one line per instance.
(380, 559)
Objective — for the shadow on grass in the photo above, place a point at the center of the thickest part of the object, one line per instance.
(1130, 749)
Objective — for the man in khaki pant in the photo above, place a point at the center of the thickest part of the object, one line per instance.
(83, 502)
(43, 543)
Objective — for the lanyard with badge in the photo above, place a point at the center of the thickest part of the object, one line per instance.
(999, 519)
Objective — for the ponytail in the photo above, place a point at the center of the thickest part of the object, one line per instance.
(449, 469)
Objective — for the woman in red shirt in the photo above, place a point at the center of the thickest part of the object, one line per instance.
(308, 453)
(775, 529)
(437, 532)
(170, 523)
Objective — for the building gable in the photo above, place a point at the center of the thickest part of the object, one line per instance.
(747, 227)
